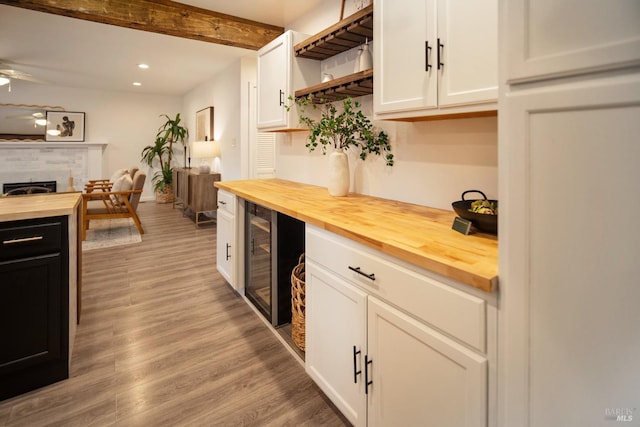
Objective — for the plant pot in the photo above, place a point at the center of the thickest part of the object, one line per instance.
(165, 194)
(338, 173)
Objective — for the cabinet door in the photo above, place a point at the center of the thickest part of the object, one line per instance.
(569, 318)
(336, 316)
(420, 377)
(34, 318)
(402, 81)
(468, 33)
(273, 82)
(548, 38)
(225, 249)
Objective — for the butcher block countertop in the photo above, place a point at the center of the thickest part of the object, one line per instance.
(38, 206)
(413, 233)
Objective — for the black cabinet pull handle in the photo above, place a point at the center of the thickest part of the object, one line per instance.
(281, 97)
(371, 276)
(222, 202)
(228, 256)
(440, 54)
(427, 53)
(355, 362)
(367, 383)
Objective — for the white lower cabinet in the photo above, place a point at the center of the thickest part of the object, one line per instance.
(379, 362)
(339, 311)
(418, 376)
(226, 238)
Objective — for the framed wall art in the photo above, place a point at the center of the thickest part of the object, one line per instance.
(65, 126)
(204, 124)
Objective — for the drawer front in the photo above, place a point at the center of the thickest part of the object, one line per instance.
(19, 239)
(226, 202)
(456, 313)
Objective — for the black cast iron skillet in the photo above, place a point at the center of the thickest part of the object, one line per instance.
(483, 222)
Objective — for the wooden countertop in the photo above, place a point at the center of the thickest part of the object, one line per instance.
(38, 206)
(413, 233)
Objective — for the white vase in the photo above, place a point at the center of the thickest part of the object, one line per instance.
(356, 67)
(338, 173)
(365, 58)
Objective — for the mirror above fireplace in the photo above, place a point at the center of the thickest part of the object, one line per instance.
(24, 122)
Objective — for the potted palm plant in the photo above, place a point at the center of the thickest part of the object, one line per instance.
(343, 127)
(161, 153)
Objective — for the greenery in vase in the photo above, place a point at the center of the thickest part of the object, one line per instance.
(344, 129)
(162, 150)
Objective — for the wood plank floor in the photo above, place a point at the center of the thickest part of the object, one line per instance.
(164, 341)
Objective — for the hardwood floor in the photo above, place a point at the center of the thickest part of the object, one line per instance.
(164, 341)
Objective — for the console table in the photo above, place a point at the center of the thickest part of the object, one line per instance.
(195, 191)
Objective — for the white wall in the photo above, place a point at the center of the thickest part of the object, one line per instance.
(126, 121)
(227, 92)
(435, 160)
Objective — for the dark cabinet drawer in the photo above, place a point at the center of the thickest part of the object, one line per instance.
(19, 239)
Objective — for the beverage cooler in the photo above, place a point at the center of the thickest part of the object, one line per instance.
(273, 245)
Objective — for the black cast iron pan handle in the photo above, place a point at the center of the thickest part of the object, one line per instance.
(474, 191)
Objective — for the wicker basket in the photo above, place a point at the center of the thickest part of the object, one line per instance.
(297, 304)
(165, 194)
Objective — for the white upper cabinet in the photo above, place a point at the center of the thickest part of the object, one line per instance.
(468, 36)
(435, 57)
(404, 79)
(547, 41)
(279, 75)
(274, 70)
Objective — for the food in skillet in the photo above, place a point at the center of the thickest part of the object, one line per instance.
(484, 207)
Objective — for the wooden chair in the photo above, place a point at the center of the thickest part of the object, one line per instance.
(113, 202)
(106, 183)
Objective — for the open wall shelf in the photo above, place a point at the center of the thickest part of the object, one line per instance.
(352, 31)
(353, 85)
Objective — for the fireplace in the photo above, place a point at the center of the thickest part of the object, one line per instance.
(34, 162)
(14, 188)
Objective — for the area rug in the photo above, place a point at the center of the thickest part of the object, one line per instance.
(107, 233)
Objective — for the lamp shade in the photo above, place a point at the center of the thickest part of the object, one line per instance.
(205, 150)
(4, 81)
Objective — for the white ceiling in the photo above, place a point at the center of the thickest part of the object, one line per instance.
(75, 53)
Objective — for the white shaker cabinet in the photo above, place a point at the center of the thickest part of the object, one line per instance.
(336, 341)
(226, 250)
(279, 75)
(547, 38)
(418, 376)
(435, 57)
(390, 346)
(568, 321)
(569, 315)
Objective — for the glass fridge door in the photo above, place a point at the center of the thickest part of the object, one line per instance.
(258, 257)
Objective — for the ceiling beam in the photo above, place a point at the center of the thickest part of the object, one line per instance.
(164, 17)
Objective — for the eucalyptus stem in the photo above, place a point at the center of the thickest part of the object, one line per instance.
(345, 129)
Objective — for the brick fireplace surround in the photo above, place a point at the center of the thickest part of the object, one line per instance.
(51, 161)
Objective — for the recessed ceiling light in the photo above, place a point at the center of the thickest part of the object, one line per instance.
(143, 66)
(137, 84)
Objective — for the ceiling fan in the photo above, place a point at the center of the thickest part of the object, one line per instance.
(7, 73)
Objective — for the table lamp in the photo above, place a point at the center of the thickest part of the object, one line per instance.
(205, 150)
